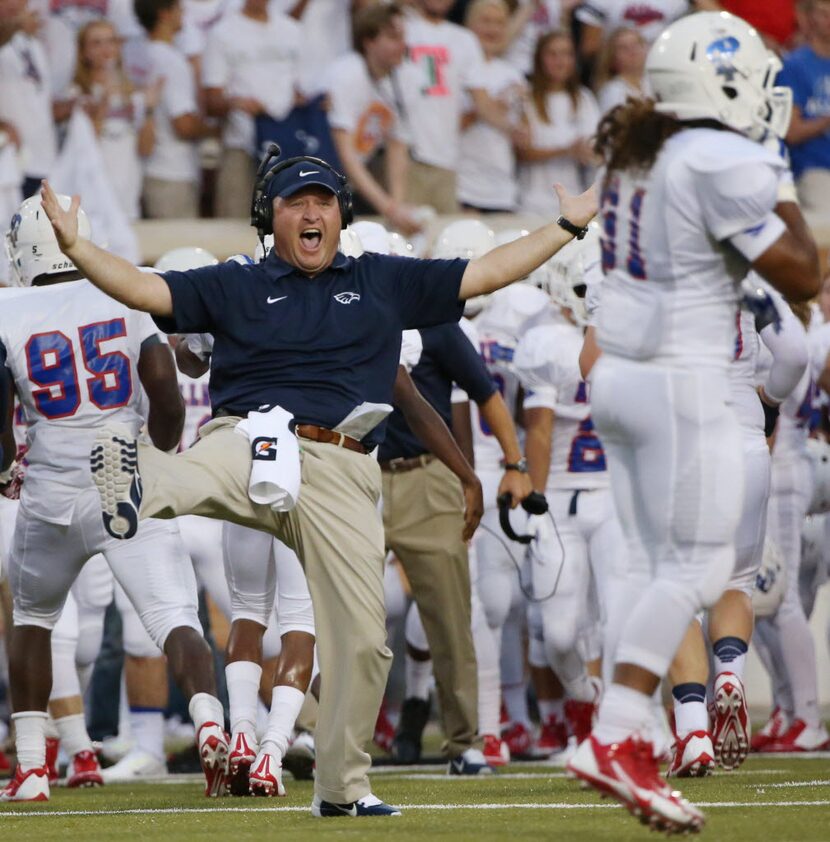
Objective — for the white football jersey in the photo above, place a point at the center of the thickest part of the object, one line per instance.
(796, 419)
(547, 361)
(196, 406)
(743, 373)
(670, 293)
(73, 354)
(508, 314)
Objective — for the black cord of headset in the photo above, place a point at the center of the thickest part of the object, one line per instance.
(528, 593)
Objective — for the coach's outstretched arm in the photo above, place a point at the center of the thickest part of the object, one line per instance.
(508, 263)
(115, 276)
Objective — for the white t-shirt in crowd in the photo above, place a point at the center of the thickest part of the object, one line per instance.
(443, 61)
(566, 125)
(26, 102)
(198, 17)
(251, 58)
(648, 17)
(487, 168)
(327, 35)
(546, 16)
(172, 159)
(617, 90)
(362, 106)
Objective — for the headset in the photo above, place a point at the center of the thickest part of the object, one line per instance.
(262, 211)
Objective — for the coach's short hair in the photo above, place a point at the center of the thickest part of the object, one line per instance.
(147, 11)
(371, 20)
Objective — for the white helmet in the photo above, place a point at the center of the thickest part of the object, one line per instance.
(819, 452)
(469, 239)
(400, 246)
(372, 235)
(566, 282)
(263, 248)
(350, 243)
(770, 581)
(713, 65)
(182, 259)
(538, 277)
(31, 245)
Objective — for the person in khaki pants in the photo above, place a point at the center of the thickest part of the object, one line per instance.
(319, 335)
(423, 511)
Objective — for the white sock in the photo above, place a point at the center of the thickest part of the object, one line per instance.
(147, 729)
(205, 708)
(51, 730)
(489, 700)
(73, 734)
(623, 712)
(243, 678)
(515, 700)
(30, 738)
(551, 708)
(418, 676)
(580, 689)
(285, 708)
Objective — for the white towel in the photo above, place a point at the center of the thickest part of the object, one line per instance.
(275, 459)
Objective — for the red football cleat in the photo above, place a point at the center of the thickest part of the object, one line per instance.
(801, 737)
(84, 770)
(771, 731)
(579, 717)
(384, 731)
(553, 737)
(693, 756)
(241, 757)
(31, 785)
(213, 754)
(52, 748)
(266, 775)
(628, 772)
(495, 751)
(519, 740)
(730, 722)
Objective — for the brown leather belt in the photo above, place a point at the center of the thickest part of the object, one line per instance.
(403, 464)
(325, 436)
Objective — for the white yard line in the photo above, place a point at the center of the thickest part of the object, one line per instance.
(173, 811)
(791, 784)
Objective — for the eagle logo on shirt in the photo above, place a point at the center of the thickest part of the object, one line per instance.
(347, 297)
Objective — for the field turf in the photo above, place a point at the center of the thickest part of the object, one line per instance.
(767, 800)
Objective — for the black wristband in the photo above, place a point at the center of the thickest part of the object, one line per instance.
(568, 226)
(770, 417)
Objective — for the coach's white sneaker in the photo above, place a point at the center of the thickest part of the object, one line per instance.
(369, 805)
(135, 765)
(31, 785)
(113, 462)
(265, 777)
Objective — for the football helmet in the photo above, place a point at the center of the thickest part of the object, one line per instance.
(538, 277)
(372, 235)
(714, 65)
(350, 243)
(400, 246)
(182, 259)
(819, 453)
(468, 239)
(770, 581)
(565, 281)
(31, 245)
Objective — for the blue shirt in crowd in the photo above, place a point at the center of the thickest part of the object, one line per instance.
(808, 75)
(318, 347)
(448, 357)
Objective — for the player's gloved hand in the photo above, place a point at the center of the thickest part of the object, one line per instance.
(760, 303)
(517, 485)
(473, 506)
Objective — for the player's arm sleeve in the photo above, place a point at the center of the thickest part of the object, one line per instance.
(790, 354)
(199, 300)
(426, 291)
(464, 365)
(738, 204)
(534, 369)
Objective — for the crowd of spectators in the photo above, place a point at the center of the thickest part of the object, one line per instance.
(445, 104)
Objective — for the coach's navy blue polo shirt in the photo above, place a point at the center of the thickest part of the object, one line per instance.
(317, 347)
(448, 357)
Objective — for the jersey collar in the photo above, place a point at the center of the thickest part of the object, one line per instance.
(278, 268)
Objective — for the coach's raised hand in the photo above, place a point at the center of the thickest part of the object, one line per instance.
(64, 221)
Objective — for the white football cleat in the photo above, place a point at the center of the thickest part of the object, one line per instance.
(213, 754)
(135, 765)
(730, 721)
(265, 777)
(243, 753)
(31, 785)
(694, 756)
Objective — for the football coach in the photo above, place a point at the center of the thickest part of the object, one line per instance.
(317, 334)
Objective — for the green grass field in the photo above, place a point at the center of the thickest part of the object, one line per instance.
(767, 800)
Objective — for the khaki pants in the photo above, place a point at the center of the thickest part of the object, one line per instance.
(336, 531)
(433, 186)
(423, 515)
(170, 199)
(234, 184)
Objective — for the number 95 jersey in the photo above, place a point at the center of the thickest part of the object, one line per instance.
(73, 354)
(547, 362)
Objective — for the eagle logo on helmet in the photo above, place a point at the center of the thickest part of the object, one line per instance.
(14, 228)
(722, 54)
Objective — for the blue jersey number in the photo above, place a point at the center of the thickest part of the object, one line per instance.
(610, 202)
(587, 455)
(50, 359)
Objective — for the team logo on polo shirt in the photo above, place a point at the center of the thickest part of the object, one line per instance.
(347, 297)
(264, 449)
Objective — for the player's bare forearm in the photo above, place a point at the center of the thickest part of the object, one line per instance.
(539, 421)
(590, 352)
(157, 372)
(462, 430)
(497, 416)
(515, 260)
(188, 363)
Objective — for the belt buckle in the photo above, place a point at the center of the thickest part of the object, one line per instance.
(396, 464)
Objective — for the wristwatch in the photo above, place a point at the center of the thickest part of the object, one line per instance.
(520, 466)
(568, 226)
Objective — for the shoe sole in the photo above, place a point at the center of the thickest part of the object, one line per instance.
(88, 779)
(214, 757)
(700, 768)
(266, 789)
(114, 467)
(41, 796)
(729, 736)
(239, 770)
